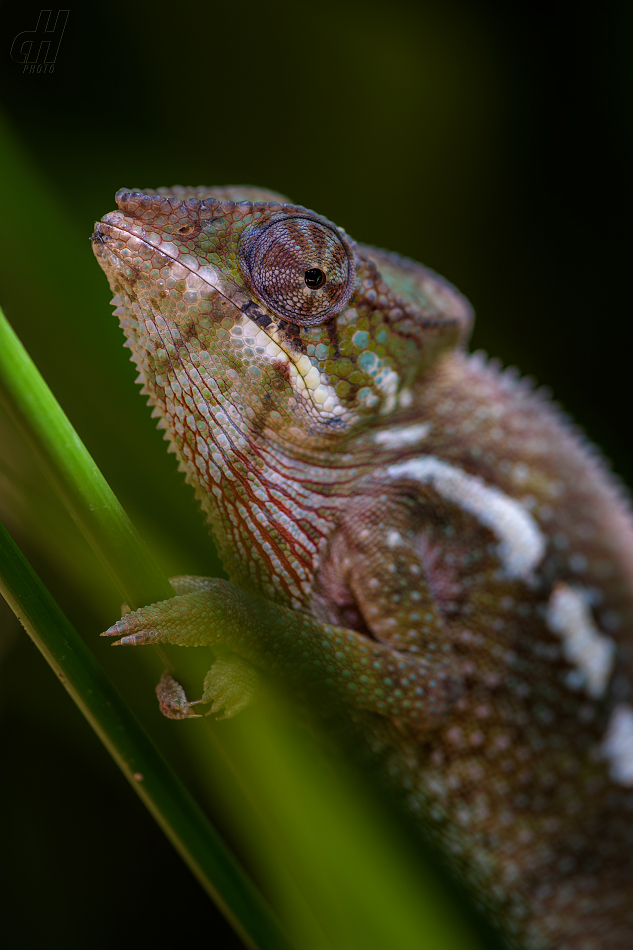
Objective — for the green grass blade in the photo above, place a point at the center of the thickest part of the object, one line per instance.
(76, 478)
(114, 539)
(161, 791)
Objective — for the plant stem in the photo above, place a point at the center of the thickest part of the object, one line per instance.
(75, 477)
(104, 523)
(152, 778)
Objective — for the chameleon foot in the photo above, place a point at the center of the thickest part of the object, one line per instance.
(140, 626)
(133, 639)
(232, 684)
(172, 700)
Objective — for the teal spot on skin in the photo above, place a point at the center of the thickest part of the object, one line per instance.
(321, 351)
(360, 339)
(367, 361)
(382, 336)
(364, 394)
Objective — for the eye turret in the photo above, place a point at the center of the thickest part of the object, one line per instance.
(302, 269)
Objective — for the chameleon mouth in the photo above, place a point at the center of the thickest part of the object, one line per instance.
(111, 261)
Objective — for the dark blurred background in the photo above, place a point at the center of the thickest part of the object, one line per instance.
(491, 140)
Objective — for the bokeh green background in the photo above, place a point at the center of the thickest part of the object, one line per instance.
(492, 141)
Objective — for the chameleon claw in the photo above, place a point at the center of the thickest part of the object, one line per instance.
(112, 631)
(133, 639)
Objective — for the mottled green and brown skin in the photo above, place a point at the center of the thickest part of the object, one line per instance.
(403, 525)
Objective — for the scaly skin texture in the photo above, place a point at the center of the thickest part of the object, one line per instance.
(404, 526)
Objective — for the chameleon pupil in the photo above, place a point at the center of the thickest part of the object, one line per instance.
(314, 278)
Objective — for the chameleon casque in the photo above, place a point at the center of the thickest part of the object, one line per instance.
(404, 525)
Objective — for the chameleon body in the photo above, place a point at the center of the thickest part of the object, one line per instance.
(404, 525)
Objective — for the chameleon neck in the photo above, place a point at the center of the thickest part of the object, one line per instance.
(271, 503)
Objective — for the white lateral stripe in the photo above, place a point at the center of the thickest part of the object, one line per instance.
(617, 745)
(521, 543)
(592, 653)
(400, 438)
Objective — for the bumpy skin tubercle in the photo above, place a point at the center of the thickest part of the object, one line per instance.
(405, 527)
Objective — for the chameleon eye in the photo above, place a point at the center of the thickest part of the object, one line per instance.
(300, 268)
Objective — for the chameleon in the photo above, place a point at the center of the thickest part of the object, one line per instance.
(408, 528)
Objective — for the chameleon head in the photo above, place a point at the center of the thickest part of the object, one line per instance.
(264, 311)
